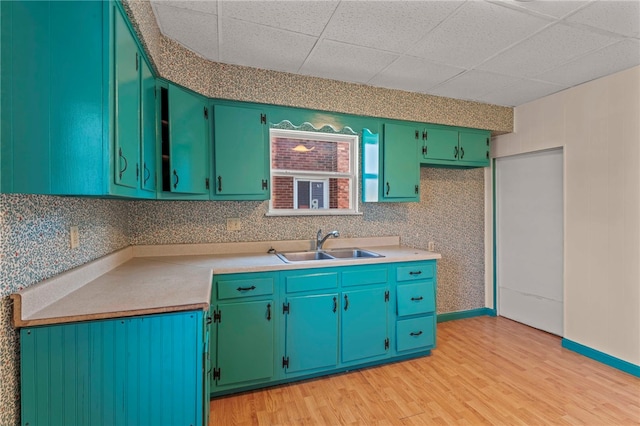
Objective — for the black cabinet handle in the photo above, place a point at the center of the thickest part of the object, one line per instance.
(137, 171)
(388, 188)
(268, 311)
(126, 163)
(253, 287)
(415, 272)
(175, 175)
(415, 299)
(346, 302)
(461, 153)
(219, 183)
(147, 173)
(415, 334)
(335, 304)
(455, 152)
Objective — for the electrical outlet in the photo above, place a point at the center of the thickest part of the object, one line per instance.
(233, 224)
(431, 246)
(74, 237)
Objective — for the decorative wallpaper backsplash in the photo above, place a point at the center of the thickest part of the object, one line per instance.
(34, 245)
(34, 241)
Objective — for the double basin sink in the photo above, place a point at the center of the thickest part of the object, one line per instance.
(341, 254)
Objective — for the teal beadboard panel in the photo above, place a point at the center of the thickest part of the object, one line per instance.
(132, 371)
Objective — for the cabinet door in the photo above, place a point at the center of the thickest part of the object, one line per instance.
(440, 144)
(311, 337)
(364, 324)
(241, 152)
(148, 126)
(245, 342)
(49, 88)
(129, 371)
(188, 142)
(474, 148)
(127, 104)
(400, 164)
(207, 365)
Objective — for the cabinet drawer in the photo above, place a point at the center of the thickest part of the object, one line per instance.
(419, 271)
(416, 298)
(364, 276)
(309, 282)
(231, 289)
(416, 333)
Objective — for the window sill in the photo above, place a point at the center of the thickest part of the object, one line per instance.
(309, 212)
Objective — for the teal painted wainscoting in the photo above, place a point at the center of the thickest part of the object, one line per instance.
(609, 360)
(479, 312)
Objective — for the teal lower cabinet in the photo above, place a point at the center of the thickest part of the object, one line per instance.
(127, 371)
(244, 324)
(310, 311)
(311, 333)
(415, 307)
(276, 327)
(365, 314)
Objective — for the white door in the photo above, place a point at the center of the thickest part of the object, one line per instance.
(529, 239)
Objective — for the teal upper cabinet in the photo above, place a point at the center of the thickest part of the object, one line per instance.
(127, 105)
(455, 147)
(241, 153)
(148, 131)
(70, 100)
(474, 147)
(401, 172)
(184, 143)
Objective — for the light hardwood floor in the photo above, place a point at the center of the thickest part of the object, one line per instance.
(484, 371)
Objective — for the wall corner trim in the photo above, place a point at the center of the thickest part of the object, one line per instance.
(479, 312)
(602, 357)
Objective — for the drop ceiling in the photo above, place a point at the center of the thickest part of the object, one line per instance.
(498, 52)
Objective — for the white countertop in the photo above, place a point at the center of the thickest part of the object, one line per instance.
(155, 279)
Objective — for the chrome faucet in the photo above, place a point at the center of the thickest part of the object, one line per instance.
(320, 239)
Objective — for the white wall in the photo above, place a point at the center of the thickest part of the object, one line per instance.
(598, 124)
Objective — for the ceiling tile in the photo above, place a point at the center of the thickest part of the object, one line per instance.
(210, 6)
(477, 31)
(609, 60)
(196, 31)
(555, 8)
(345, 62)
(546, 50)
(520, 93)
(472, 85)
(386, 25)
(414, 75)
(254, 45)
(306, 17)
(621, 17)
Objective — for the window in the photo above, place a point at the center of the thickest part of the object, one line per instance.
(313, 173)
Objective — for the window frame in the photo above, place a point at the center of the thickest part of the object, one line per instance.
(352, 139)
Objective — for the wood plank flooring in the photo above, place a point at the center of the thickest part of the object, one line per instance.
(484, 371)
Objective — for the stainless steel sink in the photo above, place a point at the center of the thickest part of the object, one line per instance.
(342, 254)
(352, 253)
(304, 255)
